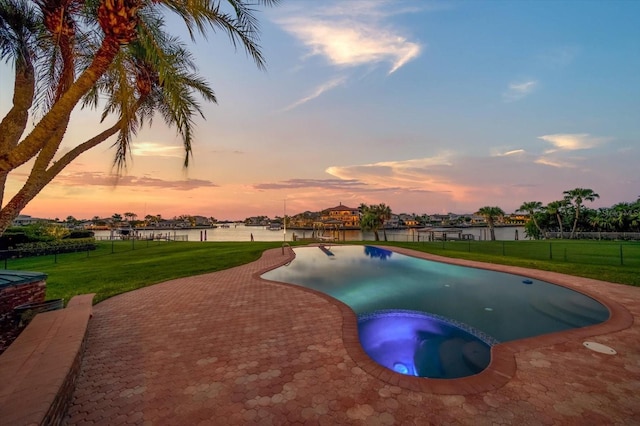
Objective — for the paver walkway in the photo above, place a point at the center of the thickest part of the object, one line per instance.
(229, 349)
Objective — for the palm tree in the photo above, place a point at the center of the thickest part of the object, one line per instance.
(599, 220)
(373, 217)
(491, 214)
(384, 213)
(577, 196)
(556, 208)
(532, 207)
(71, 53)
(634, 216)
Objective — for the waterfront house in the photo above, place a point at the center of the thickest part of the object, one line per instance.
(348, 216)
(24, 219)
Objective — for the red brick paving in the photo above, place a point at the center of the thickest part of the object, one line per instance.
(228, 348)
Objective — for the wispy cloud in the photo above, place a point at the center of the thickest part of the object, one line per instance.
(352, 35)
(152, 149)
(349, 35)
(317, 92)
(573, 141)
(312, 183)
(413, 174)
(519, 90)
(510, 153)
(546, 161)
(84, 179)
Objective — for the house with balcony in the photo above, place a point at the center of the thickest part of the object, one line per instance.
(342, 216)
(516, 219)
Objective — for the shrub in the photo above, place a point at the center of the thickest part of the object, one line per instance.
(42, 248)
(80, 233)
(12, 238)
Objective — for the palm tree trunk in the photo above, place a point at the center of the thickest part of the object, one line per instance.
(560, 225)
(535, 222)
(13, 208)
(61, 109)
(575, 223)
(39, 177)
(13, 124)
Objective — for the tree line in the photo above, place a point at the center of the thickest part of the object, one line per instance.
(570, 214)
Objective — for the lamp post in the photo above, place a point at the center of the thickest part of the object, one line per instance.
(284, 220)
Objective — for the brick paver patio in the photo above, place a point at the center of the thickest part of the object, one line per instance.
(227, 348)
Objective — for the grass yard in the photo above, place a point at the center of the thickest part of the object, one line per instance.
(617, 262)
(123, 266)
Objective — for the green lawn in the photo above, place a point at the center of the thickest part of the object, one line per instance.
(617, 262)
(133, 266)
(119, 267)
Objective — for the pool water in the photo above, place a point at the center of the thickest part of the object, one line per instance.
(487, 305)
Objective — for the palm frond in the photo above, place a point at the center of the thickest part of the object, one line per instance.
(19, 25)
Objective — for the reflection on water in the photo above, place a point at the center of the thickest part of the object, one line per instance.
(243, 233)
(376, 252)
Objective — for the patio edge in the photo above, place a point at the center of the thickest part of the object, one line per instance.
(39, 370)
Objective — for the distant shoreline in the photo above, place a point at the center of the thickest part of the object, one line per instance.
(293, 228)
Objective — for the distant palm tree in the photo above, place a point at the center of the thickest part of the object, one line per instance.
(577, 196)
(634, 216)
(556, 208)
(373, 218)
(384, 214)
(599, 220)
(491, 214)
(532, 207)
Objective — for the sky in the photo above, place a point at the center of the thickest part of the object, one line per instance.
(427, 106)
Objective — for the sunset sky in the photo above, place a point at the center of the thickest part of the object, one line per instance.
(426, 106)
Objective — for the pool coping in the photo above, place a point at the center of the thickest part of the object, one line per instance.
(502, 367)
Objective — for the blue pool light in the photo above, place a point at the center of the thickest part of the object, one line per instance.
(400, 368)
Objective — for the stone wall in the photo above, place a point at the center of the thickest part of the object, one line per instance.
(13, 295)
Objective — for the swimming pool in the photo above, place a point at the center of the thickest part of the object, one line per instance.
(490, 306)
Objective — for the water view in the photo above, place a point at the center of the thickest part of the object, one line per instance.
(240, 232)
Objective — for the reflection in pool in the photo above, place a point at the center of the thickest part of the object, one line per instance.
(498, 306)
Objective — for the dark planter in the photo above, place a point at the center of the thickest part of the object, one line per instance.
(25, 313)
